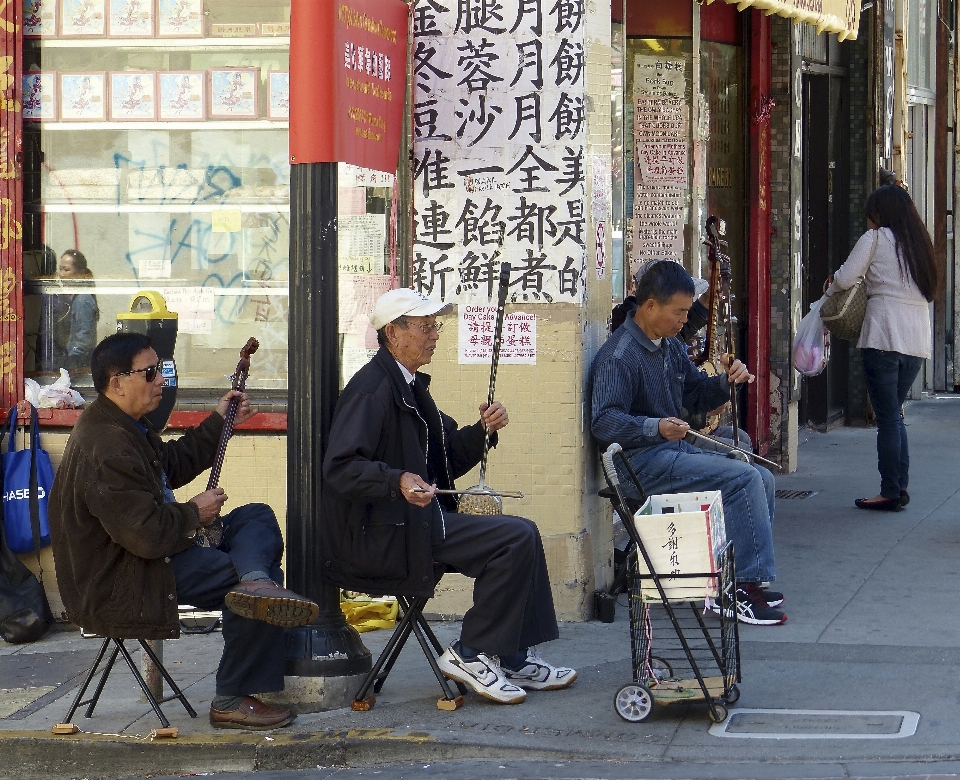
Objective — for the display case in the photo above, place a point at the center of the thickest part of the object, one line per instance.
(158, 149)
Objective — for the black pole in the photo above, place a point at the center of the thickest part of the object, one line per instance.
(328, 647)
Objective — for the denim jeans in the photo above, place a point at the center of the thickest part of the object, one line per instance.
(747, 493)
(889, 377)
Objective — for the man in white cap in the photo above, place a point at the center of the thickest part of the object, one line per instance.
(385, 526)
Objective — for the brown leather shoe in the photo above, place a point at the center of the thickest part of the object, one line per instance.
(253, 715)
(272, 604)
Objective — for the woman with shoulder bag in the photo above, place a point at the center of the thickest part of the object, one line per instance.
(901, 276)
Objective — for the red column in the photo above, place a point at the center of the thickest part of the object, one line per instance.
(758, 238)
(11, 204)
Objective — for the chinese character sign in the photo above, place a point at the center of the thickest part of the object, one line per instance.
(518, 343)
(499, 124)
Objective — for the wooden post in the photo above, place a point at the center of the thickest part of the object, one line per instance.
(151, 674)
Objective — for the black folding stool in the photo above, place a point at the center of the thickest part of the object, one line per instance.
(412, 620)
(120, 649)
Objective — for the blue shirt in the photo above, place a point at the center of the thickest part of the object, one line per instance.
(168, 496)
(634, 383)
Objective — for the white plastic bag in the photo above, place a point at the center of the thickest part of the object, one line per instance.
(811, 347)
(55, 396)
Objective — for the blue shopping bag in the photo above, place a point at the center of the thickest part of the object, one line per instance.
(27, 479)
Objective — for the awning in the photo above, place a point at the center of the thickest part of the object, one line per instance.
(836, 16)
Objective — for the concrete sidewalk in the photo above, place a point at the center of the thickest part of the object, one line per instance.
(874, 627)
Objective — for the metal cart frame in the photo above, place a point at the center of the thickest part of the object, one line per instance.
(686, 645)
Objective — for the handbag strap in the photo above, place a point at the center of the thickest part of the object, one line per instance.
(11, 429)
(35, 486)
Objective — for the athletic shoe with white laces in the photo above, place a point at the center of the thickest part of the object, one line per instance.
(752, 606)
(483, 674)
(537, 675)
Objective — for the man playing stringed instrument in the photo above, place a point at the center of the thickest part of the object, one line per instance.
(125, 547)
(641, 380)
(385, 525)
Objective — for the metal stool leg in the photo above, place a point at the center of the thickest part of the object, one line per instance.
(78, 700)
(142, 683)
(177, 693)
(92, 701)
(363, 701)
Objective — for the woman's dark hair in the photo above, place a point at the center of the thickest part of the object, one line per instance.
(891, 207)
(114, 355)
(662, 281)
(79, 262)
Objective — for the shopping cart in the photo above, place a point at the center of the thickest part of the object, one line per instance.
(677, 654)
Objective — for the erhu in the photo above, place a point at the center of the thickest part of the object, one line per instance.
(211, 535)
(723, 343)
(480, 499)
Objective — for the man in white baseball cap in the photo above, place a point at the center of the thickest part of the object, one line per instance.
(385, 525)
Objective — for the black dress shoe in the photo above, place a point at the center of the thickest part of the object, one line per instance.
(904, 498)
(880, 505)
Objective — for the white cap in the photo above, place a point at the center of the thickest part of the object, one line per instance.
(700, 286)
(400, 302)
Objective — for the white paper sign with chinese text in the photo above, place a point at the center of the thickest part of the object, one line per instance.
(477, 324)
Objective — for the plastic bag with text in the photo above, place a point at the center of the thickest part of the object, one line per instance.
(59, 395)
(811, 347)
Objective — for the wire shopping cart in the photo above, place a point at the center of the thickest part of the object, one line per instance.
(677, 654)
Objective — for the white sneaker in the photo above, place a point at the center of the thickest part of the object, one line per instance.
(537, 675)
(483, 675)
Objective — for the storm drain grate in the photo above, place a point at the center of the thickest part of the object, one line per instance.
(797, 494)
(817, 724)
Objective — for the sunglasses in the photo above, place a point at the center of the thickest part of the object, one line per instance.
(149, 373)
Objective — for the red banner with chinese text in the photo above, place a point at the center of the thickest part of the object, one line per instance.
(11, 204)
(347, 81)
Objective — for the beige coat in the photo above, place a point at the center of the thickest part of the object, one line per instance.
(898, 316)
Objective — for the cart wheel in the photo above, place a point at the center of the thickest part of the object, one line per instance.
(718, 713)
(732, 696)
(661, 669)
(634, 702)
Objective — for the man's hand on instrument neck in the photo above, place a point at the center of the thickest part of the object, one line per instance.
(736, 371)
(415, 490)
(493, 416)
(244, 410)
(209, 502)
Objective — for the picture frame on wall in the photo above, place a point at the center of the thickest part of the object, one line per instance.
(133, 96)
(83, 18)
(130, 19)
(233, 93)
(40, 97)
(182, 96)
(82, 96)
(180, 18)
(39, 18)
(278, 94)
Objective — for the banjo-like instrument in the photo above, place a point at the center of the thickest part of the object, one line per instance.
(211, 535)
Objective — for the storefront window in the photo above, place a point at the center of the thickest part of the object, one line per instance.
(155, 155)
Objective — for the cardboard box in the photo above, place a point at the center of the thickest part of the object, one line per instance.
(683, 533)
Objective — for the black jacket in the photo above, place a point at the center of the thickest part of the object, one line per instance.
(372, 539)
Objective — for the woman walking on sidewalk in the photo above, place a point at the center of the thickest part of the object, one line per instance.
(901, 275)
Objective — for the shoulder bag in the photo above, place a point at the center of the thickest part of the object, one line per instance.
(842, 313)
(27, 481)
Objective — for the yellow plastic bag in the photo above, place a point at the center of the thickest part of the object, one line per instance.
(366, 613)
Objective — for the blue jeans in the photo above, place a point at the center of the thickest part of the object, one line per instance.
(889, 377)
(747, 492)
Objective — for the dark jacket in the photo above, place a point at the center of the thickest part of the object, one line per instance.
(112, 533)
(372, 538)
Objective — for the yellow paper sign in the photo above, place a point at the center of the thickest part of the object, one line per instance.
(226, 221)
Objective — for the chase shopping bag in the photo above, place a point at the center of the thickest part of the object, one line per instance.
(27, 479)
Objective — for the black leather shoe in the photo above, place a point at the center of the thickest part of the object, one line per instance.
(904, 498)
(880, 505)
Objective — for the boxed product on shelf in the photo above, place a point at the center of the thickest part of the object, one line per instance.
(83, 18)
(39, 18)
(180, 18)
(130, 19)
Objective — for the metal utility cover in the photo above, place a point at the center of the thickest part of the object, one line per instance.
(817, 724)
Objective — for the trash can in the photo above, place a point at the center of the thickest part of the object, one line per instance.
(149, 315)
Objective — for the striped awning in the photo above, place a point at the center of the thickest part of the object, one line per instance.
(836, 16)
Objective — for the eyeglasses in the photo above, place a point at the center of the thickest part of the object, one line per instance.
(149, 373)
(437, 326)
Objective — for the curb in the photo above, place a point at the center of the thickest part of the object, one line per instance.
(39, 755)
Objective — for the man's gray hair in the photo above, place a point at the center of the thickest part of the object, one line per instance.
(400, 322)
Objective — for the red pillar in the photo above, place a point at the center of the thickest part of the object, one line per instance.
(11, 204)
(758, 238)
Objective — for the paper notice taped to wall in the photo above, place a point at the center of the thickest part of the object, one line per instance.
(194, 307)
(476, 331)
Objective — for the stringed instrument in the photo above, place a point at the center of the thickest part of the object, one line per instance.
(212, 534)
